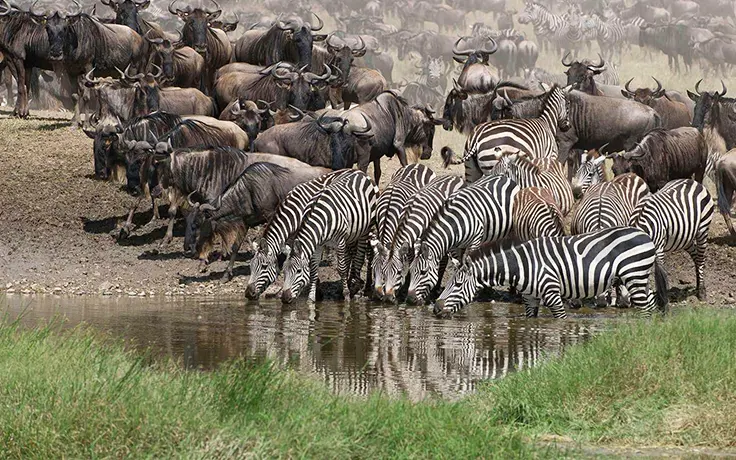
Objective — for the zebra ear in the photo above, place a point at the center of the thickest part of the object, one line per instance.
(467, 259)
(455, 263)
(599, 160)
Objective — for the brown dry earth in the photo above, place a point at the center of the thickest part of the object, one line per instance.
(56, 219)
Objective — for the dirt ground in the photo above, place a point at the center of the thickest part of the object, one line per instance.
(56, 219)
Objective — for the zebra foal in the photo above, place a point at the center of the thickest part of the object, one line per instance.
(341, 215)
(474, 215)
(678, 217)
(548, 270)
(392, 203)
(264, 266)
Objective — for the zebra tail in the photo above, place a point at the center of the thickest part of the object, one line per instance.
(448, 156)
(662, 285)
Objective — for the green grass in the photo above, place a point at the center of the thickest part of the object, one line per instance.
(655, 383)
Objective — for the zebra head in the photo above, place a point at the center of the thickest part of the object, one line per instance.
(589, 173)
(460, 289)
(424, 272)
(263, 269)
(296, 272)
(380, 255)
(395, 270)
(530, 13)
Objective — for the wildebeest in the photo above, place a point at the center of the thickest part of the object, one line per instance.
(580, 74)
(80, 43)
(126, 14)
(674, 114)
(289, 41)
(663, 155)
(150, 97)
(206, 40)
(333, 141)
(280, 85)
(250, 117)
(725, 169)
(363, 85)
(475, 77)
(248, 201)
(394, 126)
(182, 66)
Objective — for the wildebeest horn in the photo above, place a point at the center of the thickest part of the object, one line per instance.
(459, 51)
(88, 77)
(330, 45)
(506, 98)
(235, 110)
(299, 113)
(192, 203)
(159, 73)
(217, 5)
(361, 49)
(30, 10)
(324, 77)
(601, 65)
(326, 124)
(626, 86)
(106, 3)
(266, 104)
(697, 87)
(173, 11)
(456, 86)
(79, 9)
(492, 49)
(725, 90)
(5, 6)
(367, 131)
(321, 24)
(157, 41)
(281, 66)
(566, 64)
(132, 77)
(659, 91)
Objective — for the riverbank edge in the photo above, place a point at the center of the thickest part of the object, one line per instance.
(658, 383)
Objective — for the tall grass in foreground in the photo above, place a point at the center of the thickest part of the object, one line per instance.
(75, 395)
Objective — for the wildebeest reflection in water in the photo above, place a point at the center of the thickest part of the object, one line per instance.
(357, 348)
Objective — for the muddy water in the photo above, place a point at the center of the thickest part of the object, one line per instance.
(356, 349)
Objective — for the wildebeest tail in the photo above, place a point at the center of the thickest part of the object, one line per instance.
(448, 156)
(724, 198)
(662, 285)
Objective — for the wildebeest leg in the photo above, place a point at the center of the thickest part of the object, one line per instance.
(377, 170)
(127, 227)
(22, 77)
(173, 209)
(156, 215)
(8, 80)
(234, 249)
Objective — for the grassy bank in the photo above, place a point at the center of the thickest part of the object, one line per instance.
(648, 383)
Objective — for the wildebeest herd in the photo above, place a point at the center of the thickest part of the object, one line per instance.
(262, 130)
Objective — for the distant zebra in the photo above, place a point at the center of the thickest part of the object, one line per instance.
(392, 203)
(476, 214)
(678, 217)
(534, 137)
(536, 215)
(548, 270)
(547, 173)
(417, 217)
(546, 24)
(264, 266)
(610, 35)
(341, 215)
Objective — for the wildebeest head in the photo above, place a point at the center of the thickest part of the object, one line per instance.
(147, 90)
(580, 74)
(197, 24)
(343, 138)
(301, 35)
(142, 160)
(105, 136)
(343, 55)
(60, 31)
(197, 225)
(126, 11)
(704, 101)
(469, 56)
(164, 50)
(251, 118)
(453, 104)
(643, 95)
(305, 90)
(422, 133)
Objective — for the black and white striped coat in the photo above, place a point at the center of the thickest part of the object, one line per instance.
(534, 137)
(476, 214)
(391, 206)
(417, 217)
(678, 217)
(536, 215)
(547, 173)
(264, 265)
(341, 215)
(548, 270)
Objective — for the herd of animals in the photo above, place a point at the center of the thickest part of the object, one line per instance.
(264, 129)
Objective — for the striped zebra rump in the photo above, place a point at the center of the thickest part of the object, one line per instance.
(547, 270)
(608, 204)
(478, 213)
(390, 208)
(678, 217)
(341, 215)
(544, 173)
(264, 264)
(536, 215)
(416, 218)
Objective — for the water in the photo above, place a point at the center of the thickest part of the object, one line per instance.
(355, 349)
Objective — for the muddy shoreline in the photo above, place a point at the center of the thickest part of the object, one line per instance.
(56, 219)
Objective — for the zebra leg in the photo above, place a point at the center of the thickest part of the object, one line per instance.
(697, 253)
(552, 300)
(343, 267)
(437, 290)
(639, 295)
(531, 306)
(313, 279)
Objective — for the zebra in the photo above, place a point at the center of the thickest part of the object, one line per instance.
(536, 215)
(476, 214)
(548, 270)
(545, 23)
(264, 267)
(546, 173)
(610, 34)
(532, 136)
(678, 217)
(342, 215)
(417, 217)
(392, 203)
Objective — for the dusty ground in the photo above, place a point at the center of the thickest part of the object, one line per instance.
(55, 220)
